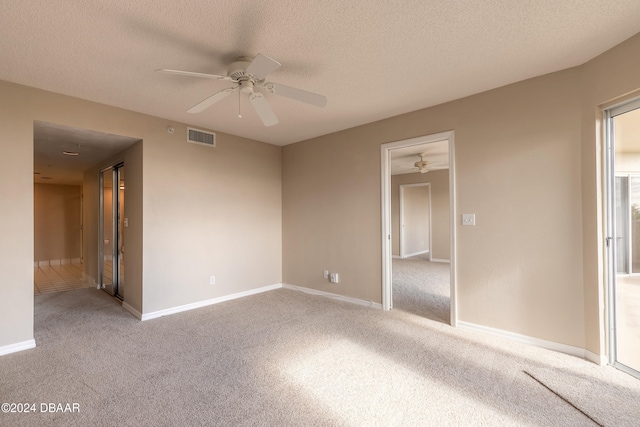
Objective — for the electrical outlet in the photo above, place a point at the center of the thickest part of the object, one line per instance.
(325, 274)
(334, 278)
(212, 280)
(468, 219)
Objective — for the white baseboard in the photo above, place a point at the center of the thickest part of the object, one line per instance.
(187, 307)
(440, 260)
(131, 310)
(415, 254)
(549, 345)
(13, 348)
(334, 296)
(601, 359)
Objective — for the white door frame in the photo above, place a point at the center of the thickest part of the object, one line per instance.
(401, 216)
(385, 155)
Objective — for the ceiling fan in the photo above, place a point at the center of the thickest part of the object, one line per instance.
(422, 164)
(425, 166)
(248, 75)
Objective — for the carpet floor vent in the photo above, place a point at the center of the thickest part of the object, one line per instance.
(197, 136)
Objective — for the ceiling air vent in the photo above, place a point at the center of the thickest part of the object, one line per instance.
(197, 136)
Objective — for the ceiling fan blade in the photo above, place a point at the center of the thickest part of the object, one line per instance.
(192, 74)
(261, 66)
(297, 94)
(203, 105)
(262, 107)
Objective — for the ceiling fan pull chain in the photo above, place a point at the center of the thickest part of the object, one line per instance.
(239, 114)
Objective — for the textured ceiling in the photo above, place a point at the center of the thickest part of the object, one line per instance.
(371, 60)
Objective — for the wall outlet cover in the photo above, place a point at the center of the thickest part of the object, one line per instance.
(468, 219)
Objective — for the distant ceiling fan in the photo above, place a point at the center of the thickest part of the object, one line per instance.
(422, 164)
(248, 75)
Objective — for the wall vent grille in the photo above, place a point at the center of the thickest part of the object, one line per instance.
(197, 136)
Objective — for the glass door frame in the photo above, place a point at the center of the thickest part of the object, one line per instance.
(610, 228)
(115, 230)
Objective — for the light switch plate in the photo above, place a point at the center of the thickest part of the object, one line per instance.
(468, 219)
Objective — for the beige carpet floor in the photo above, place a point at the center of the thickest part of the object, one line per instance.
(285, 358)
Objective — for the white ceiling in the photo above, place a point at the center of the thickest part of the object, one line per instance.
(371, 60)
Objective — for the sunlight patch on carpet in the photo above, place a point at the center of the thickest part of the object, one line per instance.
(359, 386)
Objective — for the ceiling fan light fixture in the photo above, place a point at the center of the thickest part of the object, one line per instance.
(246, 86)
(422, 164)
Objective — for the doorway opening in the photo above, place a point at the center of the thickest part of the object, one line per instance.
(67, 165)
(112, 223)
(622, 125)
(419, 272)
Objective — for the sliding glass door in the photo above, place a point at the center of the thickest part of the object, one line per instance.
(623, 231)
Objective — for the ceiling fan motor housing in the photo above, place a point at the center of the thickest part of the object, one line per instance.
(237, 70)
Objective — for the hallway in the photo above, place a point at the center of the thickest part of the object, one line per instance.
(58, 278)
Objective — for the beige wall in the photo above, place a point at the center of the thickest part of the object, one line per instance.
(57, 221)
(440, 212)
(331, 212)
(210, 212)
(133, 234)
(205, 212)
(527, 158)
(16, 227)
(517, 154)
